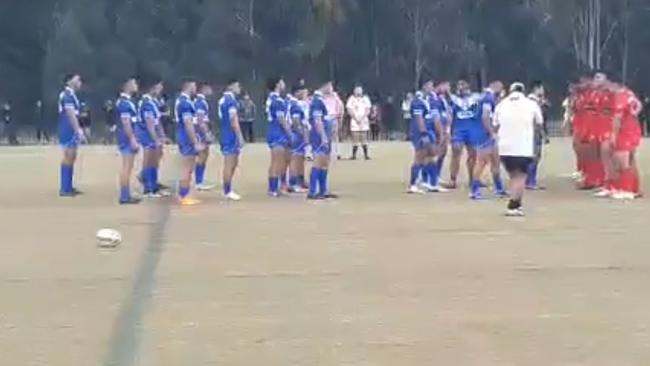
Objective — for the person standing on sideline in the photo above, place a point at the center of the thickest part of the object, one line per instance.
(406, 114)
(538, 95)
(335, 112)
(516, 119)
(248, 113)
(109, 119)
(70, 132)
(359, 108)
(85, 121)
(231, 137)
(375, 121)
(127, 142)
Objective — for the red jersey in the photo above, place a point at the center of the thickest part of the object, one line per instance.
(627, 107)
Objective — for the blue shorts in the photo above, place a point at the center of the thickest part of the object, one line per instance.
(298, 147)
(187, 149)
(125, 147)
(278, 142)
(230, 146)
(67, 138)
(145, 140)
(418, 144)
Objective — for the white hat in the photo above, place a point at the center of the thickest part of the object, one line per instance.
(517, 87)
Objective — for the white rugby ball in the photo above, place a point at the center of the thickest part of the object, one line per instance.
(108, 238)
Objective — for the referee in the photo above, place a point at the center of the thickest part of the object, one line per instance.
(517, 118)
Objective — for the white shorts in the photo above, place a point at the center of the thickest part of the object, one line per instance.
(356, 126)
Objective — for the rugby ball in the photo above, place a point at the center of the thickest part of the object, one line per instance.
(108, 238)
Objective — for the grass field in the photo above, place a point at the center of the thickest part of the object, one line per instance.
(376, 278)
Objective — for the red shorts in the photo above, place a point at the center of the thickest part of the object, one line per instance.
(629, 137)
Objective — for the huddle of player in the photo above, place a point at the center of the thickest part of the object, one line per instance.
(464, 120)
(295, 122)
(606, 135)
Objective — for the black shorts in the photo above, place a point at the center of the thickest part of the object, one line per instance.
(516, 164)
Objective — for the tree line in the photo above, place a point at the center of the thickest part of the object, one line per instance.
(386, 44)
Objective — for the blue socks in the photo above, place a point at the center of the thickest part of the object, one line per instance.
(314, 179)
(415, 174)
(475, 187)
(125, 194)
(531, 180)
(183, 191)
(301, 180)
(293, 181)
(498, 183)
(227, 187)
(322, 180)
(199, 173)
(274, 184)
(66, 178)
(434, 173)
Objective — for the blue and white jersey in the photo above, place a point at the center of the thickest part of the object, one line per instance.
(183, 111)
(148, 109)
(435, 110)
(296, 111)
(276, 110)
(419, 109)
(228, 106)
(318, 110)
(126, 110)
(202, 108)
(488, 102)
(68, 101)
(466, 110)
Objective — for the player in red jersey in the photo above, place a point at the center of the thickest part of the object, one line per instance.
(590, 100)
(625, 139)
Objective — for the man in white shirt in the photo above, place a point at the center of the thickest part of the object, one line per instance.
(359, 108)
(517, 118)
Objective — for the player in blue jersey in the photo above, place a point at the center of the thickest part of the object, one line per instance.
(231, 138)
(127, 143)
(487, 152)
(204, 133)
(300, 131)
(465, 130)
(188, 142)
(320, 138)
(70, 133)
(421, 136)
(148, 133)
(434, 124)
(278, 134)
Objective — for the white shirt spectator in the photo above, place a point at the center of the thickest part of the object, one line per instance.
(359, 108)
(516, 117)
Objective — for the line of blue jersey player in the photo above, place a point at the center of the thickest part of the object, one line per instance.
(467, 117)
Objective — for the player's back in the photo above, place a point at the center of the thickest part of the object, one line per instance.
(67, 101)
(183, 110)
(419, 109)
(276, 109)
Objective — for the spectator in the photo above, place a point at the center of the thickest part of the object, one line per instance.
(248, 114)
(85, 121)
(375, 121)
(166, 120)
(7, 125)
(109, 119)
(388, 114)
(646, 115)
(406, 112)
(41, 132)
